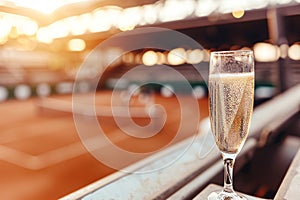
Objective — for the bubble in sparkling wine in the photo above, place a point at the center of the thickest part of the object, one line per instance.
(231, 108)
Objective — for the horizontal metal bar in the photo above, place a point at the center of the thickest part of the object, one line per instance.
(191, 188)
(193, 161)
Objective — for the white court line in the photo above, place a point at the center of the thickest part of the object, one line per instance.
(49, 158)
(52, 157)
(98, 110)
(44, 160)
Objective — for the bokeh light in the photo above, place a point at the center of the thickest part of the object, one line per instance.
(294, 52)
(149, 58)
(238, 13)
(98, 22)
(76, 45)
(167, 91)
(199, 92)
(44, 36)
(284, 50)
(195, 56)
(22, 92)
(43, 89)
(177, 56)
(3, 93)
(265, 52)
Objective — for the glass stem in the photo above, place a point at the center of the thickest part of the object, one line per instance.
(228, 174)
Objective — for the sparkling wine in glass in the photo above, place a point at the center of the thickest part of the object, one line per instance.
(231, 96)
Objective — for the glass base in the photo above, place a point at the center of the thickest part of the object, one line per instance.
(225, 196)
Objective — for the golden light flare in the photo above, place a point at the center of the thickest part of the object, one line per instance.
(12, 26)
(99, 22)
(46, 7)
(238, 13)
(28, 27)
(44, 36)
(76, 45)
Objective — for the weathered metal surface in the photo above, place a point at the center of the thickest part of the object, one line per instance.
(192, 187)
(157, 174)
(164, 173)
(289, 188)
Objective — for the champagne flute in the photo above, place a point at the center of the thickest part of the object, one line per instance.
(231, 96)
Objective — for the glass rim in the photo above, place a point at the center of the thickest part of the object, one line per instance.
(232, 52)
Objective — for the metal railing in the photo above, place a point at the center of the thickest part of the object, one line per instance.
(189, 164)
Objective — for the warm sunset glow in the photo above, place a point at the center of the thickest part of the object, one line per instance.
(59, 29)
(99, 22)
(129, 18)
(44, 36)
(78, 25)
(28, 27)
(5, 28)
(104, 19)
(46, 7)
(13, 26)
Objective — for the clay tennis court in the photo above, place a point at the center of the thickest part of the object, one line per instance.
(42, 157)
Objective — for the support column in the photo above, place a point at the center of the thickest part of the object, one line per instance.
(277, 35)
